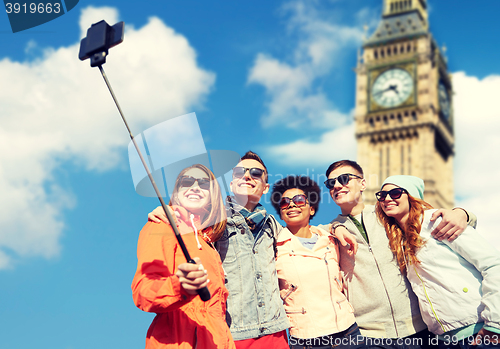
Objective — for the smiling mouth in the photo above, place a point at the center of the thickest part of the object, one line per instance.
(293, 213)
(193, 197)
(246, 184)
(340, 193)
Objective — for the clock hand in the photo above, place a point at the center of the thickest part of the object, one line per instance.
(380, 92)
(391, 87)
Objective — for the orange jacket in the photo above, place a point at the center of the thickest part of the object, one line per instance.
(182, 320)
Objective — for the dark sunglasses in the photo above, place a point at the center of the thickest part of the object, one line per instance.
(255, 172)
(393, 193)
(299, 200)
(343, 180)
(188, 182)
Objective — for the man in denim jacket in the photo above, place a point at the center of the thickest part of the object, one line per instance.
(255, 312)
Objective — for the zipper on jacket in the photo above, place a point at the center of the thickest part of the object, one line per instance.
(386, 291)
(338, 283)
(427, 297)
(331, 295)
(289, 292)
(378, 268)
(195, 338)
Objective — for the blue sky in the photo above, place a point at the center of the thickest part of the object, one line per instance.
(274, 77)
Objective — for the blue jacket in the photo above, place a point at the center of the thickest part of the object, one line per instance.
(254, 306)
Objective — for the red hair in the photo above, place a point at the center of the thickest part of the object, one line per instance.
(404, 242)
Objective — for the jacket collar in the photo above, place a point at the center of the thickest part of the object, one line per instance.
(286, 234)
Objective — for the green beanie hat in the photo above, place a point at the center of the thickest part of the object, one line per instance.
(413, 185)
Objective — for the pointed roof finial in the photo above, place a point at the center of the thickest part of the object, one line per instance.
(444, 49)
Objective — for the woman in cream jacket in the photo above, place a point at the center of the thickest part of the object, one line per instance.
(308, 271)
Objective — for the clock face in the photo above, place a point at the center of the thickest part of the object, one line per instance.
(392, 88)
(444, 100)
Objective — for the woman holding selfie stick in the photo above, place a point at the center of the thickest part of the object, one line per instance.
(166, 285)
(457, 283)
(308, 271)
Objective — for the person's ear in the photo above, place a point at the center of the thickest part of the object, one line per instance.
(363, 185)
(266, 188)
(312, 211)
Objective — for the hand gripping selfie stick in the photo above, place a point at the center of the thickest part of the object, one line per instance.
(100, 38)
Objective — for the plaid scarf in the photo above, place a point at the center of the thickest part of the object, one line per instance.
(253, 219)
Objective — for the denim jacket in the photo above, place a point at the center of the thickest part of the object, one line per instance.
(254, 306)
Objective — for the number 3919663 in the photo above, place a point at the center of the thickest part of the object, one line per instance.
(33, 7)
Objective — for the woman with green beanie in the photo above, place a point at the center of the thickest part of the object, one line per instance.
(457, 283)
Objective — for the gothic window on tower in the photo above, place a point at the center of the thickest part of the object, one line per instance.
(381, 165)
(388, 163)
(409, 159)
(402, 159)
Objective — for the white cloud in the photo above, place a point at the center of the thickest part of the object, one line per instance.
(56, 108)
(332, 146)
(294, 98)
(477, 163)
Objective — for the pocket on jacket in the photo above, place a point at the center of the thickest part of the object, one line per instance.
(228, 251)
(345, 303)
(301, 310)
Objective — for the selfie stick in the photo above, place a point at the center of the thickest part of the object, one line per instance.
(102, 36)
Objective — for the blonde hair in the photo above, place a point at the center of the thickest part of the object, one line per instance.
(213, 221)
(404, 242)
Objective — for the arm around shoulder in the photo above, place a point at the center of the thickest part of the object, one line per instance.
(452, 224)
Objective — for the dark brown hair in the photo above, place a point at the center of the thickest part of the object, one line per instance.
(250, 155)
(342, 163)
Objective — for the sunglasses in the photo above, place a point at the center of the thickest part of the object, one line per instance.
(343, 180)
(255, 172)
(393, 193)
(299, 200)
(188, 182)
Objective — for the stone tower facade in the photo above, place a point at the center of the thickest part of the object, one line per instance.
(403, 113)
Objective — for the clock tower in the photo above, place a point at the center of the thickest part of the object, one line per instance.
(403, 114)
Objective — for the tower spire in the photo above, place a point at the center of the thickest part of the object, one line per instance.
(398, 7)
(401, 19)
